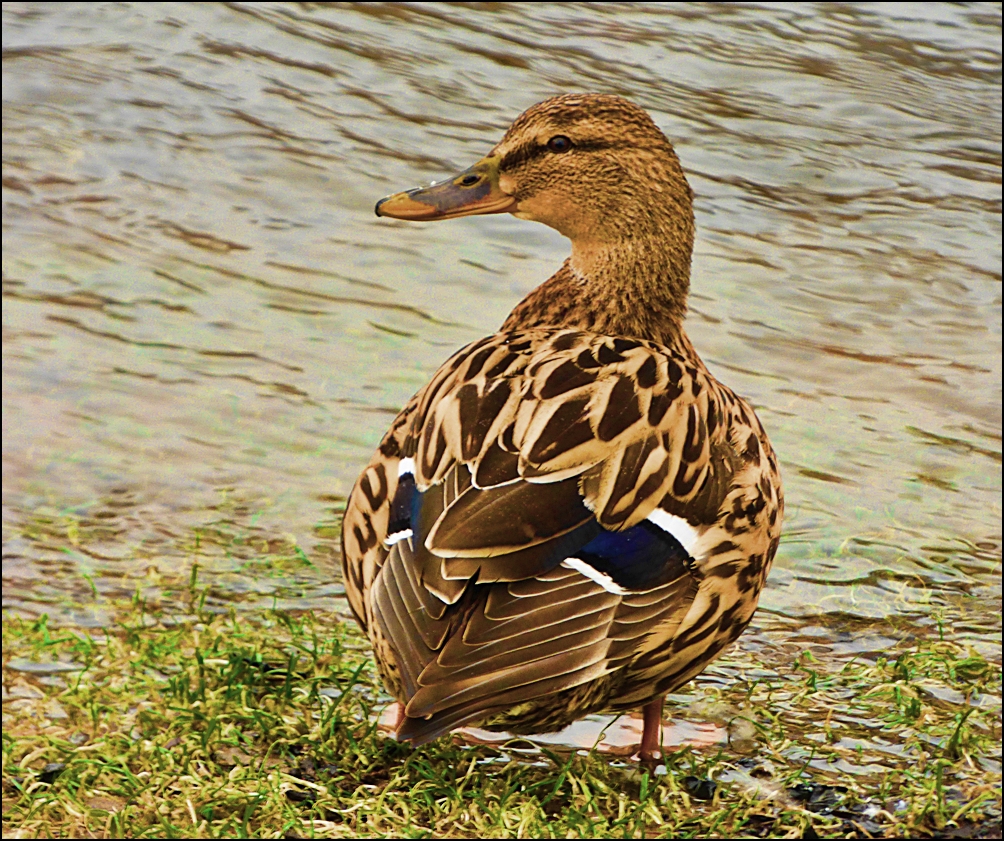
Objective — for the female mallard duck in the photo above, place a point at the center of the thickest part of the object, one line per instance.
(574, 515)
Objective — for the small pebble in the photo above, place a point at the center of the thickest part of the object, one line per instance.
(51, 771)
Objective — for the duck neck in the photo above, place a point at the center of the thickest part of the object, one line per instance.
(634, 288)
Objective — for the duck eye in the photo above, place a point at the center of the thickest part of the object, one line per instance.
(559, 143)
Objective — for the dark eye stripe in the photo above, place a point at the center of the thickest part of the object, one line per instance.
(524, 154)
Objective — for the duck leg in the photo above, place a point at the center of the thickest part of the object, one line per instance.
(393, 717)
(651, 734)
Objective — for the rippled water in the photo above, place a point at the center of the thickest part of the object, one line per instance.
(206, 328)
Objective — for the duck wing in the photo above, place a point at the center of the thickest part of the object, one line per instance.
(552, 489)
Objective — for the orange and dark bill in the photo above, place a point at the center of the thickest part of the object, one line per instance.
(473, 191)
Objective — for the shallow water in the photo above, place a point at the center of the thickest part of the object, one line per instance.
(206, 330)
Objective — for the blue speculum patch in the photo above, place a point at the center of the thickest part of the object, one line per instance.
(639, 558)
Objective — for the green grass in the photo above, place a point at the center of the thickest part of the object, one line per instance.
(191, 709)
(208, 725)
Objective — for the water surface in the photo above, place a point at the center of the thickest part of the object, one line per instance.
(206, 330)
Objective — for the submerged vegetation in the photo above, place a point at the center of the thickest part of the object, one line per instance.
(181, 716)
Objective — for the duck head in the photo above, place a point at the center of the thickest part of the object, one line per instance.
(595, 167)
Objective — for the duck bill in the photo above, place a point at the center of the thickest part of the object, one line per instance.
(473, 191)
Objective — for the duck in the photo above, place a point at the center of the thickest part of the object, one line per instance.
(573, 516)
